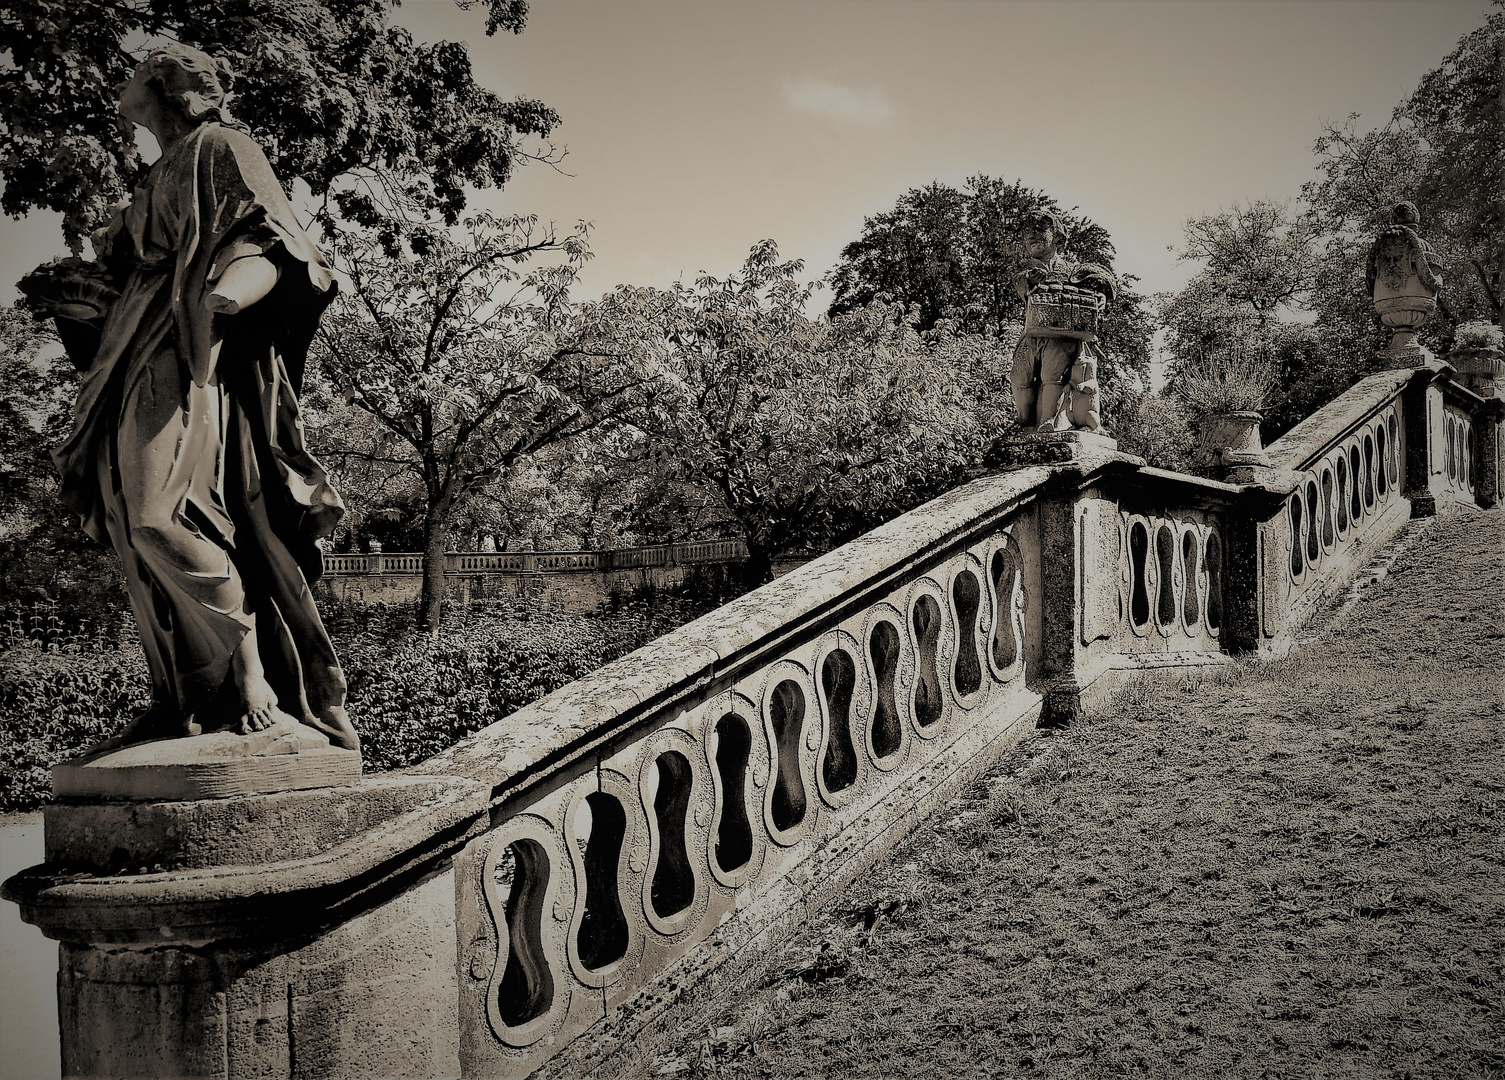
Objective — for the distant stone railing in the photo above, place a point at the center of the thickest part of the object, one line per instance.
(540, 562)
(547, 889)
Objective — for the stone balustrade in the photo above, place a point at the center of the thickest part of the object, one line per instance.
(543, 562)
(575, 869)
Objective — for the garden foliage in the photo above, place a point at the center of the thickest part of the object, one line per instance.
(411, 694)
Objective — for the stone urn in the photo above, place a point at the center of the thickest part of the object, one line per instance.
(1481, 368)
(1231, 439)
(1404, 276)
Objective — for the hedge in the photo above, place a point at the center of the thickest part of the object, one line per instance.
(411, 694)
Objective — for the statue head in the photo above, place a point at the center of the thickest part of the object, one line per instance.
(1044, 234)
(1405, 213)
(184, 81)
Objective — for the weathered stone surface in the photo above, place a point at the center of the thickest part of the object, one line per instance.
(549, 729)
(1297, 448)
(244, 830)
(374, 997)
(283, 757)
(1057, 447)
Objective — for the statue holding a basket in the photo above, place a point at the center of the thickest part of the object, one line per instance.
(1055, 365)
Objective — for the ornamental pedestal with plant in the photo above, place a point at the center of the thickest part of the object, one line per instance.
(1478, 355)
(1227, 395)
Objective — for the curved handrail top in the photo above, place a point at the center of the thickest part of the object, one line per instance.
(1299, 448)
(561, 726)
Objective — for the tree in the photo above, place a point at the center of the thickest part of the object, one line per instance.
(802, 432)
(375, 123)
(470, 365)
(1256, 255)
(1442, 150)
(952, 255)
(44, 556)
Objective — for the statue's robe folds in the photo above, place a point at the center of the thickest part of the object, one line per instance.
(187, 451)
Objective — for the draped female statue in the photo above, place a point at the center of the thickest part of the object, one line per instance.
(186, 452)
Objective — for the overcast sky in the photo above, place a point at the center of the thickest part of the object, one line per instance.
(696, 128)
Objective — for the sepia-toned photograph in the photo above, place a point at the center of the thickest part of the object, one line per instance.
(763, 539)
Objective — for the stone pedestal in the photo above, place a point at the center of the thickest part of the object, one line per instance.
(1399, 356)
(1057, 447)
(1481, 370)
(247, 906)
(287, 756)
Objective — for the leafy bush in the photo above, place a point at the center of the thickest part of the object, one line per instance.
(411, 694)
(53, 705)
(1478, 335)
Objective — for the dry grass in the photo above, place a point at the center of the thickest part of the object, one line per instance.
(1291, 869)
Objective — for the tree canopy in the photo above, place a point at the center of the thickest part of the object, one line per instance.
(469, 362)
(375, 123)
(952, 255)
(803, 432)
(1441, 149)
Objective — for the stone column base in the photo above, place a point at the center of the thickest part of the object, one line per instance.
(1062, 706)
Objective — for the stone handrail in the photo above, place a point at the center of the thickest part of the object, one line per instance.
(513, 562)
(575, 867)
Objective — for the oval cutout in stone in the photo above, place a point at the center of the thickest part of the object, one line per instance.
(838, 678)
(786, 712)
(926, 618)
(602, 937)
(966, 598)
(673, 887)
(526, 990)
(884, 646)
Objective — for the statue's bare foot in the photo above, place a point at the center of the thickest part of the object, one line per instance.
(258, 706)
(334, 722)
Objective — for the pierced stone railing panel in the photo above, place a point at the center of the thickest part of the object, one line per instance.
(1346, 499)
(724, 802)
(1460, 452)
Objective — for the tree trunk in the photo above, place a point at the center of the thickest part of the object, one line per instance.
(758, 569)
(431, 600)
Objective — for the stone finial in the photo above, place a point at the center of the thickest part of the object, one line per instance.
(1404, 278)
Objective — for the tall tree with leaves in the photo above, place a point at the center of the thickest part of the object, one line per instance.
(1443, 150)
(952, 255)
(1260, 264)
(804, 432)
(470, 362)
(376, 124)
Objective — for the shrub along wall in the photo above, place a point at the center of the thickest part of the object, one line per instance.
(411, 695)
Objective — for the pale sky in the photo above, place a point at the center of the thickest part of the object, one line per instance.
(696, 128)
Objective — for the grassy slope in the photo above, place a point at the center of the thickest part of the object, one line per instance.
(1291, 869)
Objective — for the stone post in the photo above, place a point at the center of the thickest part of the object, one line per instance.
(1060, 606)
(296, 932)
(1489, 434)
(1425, 443)
(1481, 369)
